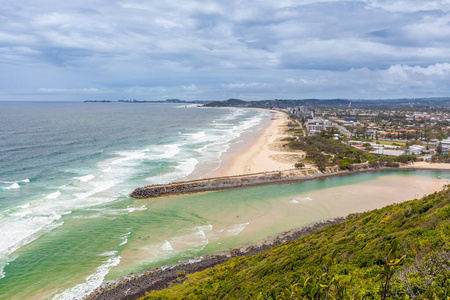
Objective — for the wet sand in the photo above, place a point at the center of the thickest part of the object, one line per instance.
(334, 202)
(264, 153)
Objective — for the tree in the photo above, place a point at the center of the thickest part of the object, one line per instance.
(368, 146)
(299, 165)
(441, 135)
(439, 149)
(407, 148)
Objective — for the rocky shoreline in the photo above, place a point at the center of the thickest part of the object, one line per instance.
(156, 279)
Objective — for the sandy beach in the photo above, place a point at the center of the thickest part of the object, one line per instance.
(264, 154)
(427, 166)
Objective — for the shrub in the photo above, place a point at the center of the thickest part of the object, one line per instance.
(299, 165)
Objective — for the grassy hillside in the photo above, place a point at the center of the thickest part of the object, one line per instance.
(227, 103)
(398, 252)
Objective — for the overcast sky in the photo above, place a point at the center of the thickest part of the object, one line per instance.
(188, 49)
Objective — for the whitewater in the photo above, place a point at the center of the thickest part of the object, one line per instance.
(75, 163)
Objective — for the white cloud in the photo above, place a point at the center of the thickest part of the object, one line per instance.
(251, 85)
(195, 48)
(430, 30)
(191, 87)
(54, 19)
(410, 5)
(17, 39)
(144, 90)
(73, 91)
(416, 75)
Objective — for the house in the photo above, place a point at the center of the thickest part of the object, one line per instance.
(417, 149)
(445, 144)
(317, 125)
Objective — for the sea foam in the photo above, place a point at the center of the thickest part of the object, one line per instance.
(109, 253)
(237, 229)
(204, 227)
(167, 246)
(17, 231)
(128, 156)
(92, 281)
(298, 200)
(85, 178)
(125, 238)
(305, 199)
(54, 195)
(4, 263)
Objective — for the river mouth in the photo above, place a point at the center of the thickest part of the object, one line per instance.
(211, 222)
(137, 234)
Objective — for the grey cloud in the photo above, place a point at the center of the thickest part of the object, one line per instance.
(241, 48)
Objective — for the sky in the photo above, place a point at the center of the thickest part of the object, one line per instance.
(215, 50)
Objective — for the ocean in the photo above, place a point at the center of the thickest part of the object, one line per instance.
(67, 224)
(73, 162)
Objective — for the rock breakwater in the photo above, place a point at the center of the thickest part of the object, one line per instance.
(221, 183)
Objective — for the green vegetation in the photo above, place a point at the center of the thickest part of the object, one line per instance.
(295, 129)
(299, 165)
(441, 156)
(444, 158)
(227, 103)
(324, 151)
(398, 252)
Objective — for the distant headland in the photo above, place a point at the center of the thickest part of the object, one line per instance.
(284, 103)
(153, 101)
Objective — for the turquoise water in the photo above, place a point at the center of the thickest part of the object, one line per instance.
(69, 165)
(67, 224)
